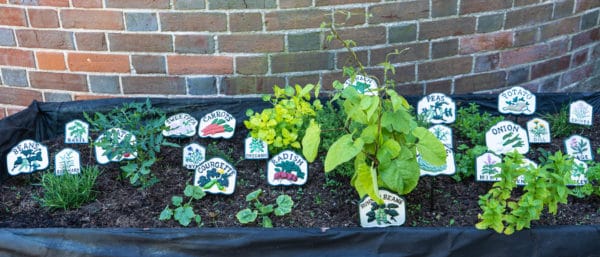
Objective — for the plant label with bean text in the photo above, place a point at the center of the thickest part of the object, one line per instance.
(77, 132)
(217, 124)
(180, 125)
(579, 147)
(505, 137)
(538, 131)
(391, 213)
(437, 108)
(485, 166)
(287, 168)
(67, 161)
(580, 112)
(255, 149)
(193, 155)
(363, 85)
(26, 157)
(216, 176)
(443, 133)
(516, 100)
(115, 145)
(448, 168)
(579, 173)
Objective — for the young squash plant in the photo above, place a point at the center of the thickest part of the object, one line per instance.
(257, 209)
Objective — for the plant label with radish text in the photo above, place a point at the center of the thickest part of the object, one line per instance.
(516, 100)
(538, 131)
(579, 147)
(391, 213)
(217, 124)
(193, 155)
(363, 85)
(255, 149)
(67, 161)
(437, 108)
(505, 137)
(216, 176)
(580, 112)
(180, 125)
(287, 168)
(485, 167)
(26, 157)
(115, 145)
(77, 132)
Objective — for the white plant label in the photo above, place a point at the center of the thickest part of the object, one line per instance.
(77, 132)
(287, 168)
(505, 137)
(391, 213)
(217, 124)
(437, 108)
(119, 139)
(216, 176)
(516, 100)
(443, 133)
(363, 85)
(485, 166)
(581, 113)
(448, 168)
(26, 157)
(193, 155)
(579, 147)
(538, 131)
(255, 149)
(526, 163)
(578, 173)
(180, 125)
(67, 161)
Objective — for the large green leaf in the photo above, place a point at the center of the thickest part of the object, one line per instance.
(369, 134)
(401, 176)
(284, 205)
(400, 121)
(342, 150)
(388, 151)
(246, 216)
(430, 148)
(311, 141)
(365, 179)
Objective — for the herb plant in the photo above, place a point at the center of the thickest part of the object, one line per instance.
(69, 191)
(472, 124)
(184, 212)
(465, 160)
(559, 123)
(257, 209)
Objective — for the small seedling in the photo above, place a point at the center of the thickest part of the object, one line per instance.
(184, 212)
(257, 209)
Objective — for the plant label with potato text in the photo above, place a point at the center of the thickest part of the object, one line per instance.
(391, 213)
(217, 124)
(516, 100)
(287, 168)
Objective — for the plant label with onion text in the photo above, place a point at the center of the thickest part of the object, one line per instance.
(77, 132)
(581, 113)
(437, 108)
(505, 137)
(579, 147)
(516, 100)
(538, 131)
(216, 176)
(26, 157)
(217, 124)
(193, 155)
(579, 173)
(115, 148)
(485, 167)
(67, 161)
(391, 213)
(443, 133)
(526, 163)
(363, 85)
(287, 168)
(180, 125)
(448, 168)
(255, 149)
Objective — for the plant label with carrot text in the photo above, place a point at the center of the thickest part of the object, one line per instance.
(392, 212)
(538, 131)
(216, 176)
(485, 167)
(579, 147)
(193, 155)
(505, 137)
(77, 132)
(115, 145)
(26, 157)
(287, 168)
(362, 84)
(180, 125)
(443, 133)
(581, 113)
(448, 168)
(437, 108)
(255, 149)
(67, 161)
(516, 100)
(217, 124)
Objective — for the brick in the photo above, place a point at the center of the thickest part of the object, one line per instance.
(242, 85)
(50, 61)
(140, 42)
(447, 27)
(141, 21)
(480, 82)
(441, 8)
(10, 16)
(585, 38)
(304, 79)
(304, 41)
(202, 86)
(550, 66)
(527, 37)
(579, 58)
(490, 23)
(7, 37)
(247, 4)
(117, 63)
(583, 5)
(523, 55)
(474, 6)
(417, 51)
(13, 110)
(525, 2)
(442, 86)
(547, 85)
(180, 21)
(16, 57)
(306, 61)
(141, 4)
(2, 113)
(213, 65)
(189, 4)
(251, 65)
(51, 39)
(246, 21)
(104, 84)
(349, 17)
(60, 81)
(154, 85)
(563, 8)
(444, 68)
(43, 18)
(411, 89)
(87, 3)
(341, 2)
(486, 42)
(327, 79)
(346, 59)
(15, 77)
(92, 19)
(528, 16)
(589, 20)
(296, 19)
(17, 96)
(374, 35)
(294, 3)
(558, 47)
(404, 73)
(444, 48)
(81, 97)
(56, 3)
(576, 75)
(394, 12)
(57, 97)
(196, 44)
(147, 64)
(251, 43)
(91, 41)
(518, 76)
(487, 62)
(402, 33)
(559, 28)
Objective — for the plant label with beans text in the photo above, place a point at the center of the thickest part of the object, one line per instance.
(538, 131)
(579, 147)
(217, 124)
(115, 145)
(505, 137)
(287, 168)
(255, 149)
(216, 176)
(443, 133)
(485, 167)
(77, 132)
(391, 213)
(193, 155)
(516, 100)
(437, 108)
(180, 125)
(363, 85)
(581, 113)
(67, 161)
(448, 168)
(26, 157)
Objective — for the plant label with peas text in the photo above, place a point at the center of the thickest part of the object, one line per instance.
(255, 149)
(448, 168)
(391, 213)
(217, 124)
(180, 125)
(287, 168)
(216, 176)
(115, 145)
(485, 167)
(579, 173)
(443, 133)
(538, 131)
(526, 163)
(26, 157)
(77, 132)
(193, 155)
(579, 147)
(516, 100)
(67, 161)
(505, 137)
(437, 108)
(363, 85)
(581, 113)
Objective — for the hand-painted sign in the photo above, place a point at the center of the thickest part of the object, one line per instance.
(193, 155)
(538, 131)
(486, 169)
(516, 100)
(527, 163)
(216, 176)
(581, 113)
(431, 170)
(26, 157)
(77, 132)
(579, 173)
(217, 124)
(180, 125)
(579, 147)
(443, 133)
(437, 108)
(287, 168)
(505, 137)
(67, 161)
(115, 145)
(363, 85)
(391, 213)
(255, 149)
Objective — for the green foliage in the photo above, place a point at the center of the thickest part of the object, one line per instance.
(257, 209)
(184, 212)
(330, 118)
(286, 123)
(69, 191)
(465, 160)
(546, 186)
(559, 123)
(146, 124)
(592, 187)
(472, 124)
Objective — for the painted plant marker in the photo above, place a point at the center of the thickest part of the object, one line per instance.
(26, 157)
(526, 163)
(486, 169)
(579, 147)
(538, 131)
(391, 213)
(216, 176)
(255, 149)
(217, 124)
(443, 133)
(67, 161)
(77, 132)
(516, 100)
(119, 142)
(580, 112)
(363, 85)
(193, 155)
(287, 168)
(448, 168)
(437, 108)
(180, 125)
(505, 137)
(578, 173)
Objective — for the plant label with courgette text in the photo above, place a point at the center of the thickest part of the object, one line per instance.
(363, 85)
(526, 164)
(581, 113)
(115, 145)
(516, 100)
(579, 147)
(217, 124)
(180, 125)
(26, 157)
(255, 149)
(391, 213)
(448, 168)
(579, 173)
(77, 132)
(538, 131)
(443, 133)
(505, 137)
(485, 166)
(216, 176)
(193, 155)
(287, 168)
(67, 161)
(437, 108)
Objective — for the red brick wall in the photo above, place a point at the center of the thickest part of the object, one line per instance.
(60, 50)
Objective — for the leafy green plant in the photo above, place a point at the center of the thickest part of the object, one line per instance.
(184, 212)
(465, 160)
(592, 187)
(330, 118)
(256, 209)
(472, 124)
(559, 123)
(69, 191)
